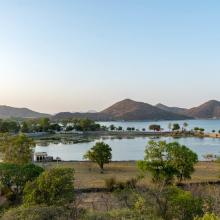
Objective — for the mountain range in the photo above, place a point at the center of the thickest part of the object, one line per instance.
(12, 112)
(127, 110)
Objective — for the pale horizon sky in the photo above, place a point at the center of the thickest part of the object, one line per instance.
(85, 55)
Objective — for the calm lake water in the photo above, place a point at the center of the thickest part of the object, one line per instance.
(133, 149)
(208, 125)
(129, 149)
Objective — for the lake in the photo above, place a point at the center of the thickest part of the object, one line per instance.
(208, 125)
(129, 149)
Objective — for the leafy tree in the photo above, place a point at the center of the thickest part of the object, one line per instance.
(155, 127)
(54, 127)
(86, 125)
(202, 129)
(174, 203)
(100, 153)
(185, 125)
(120, 128)
(112, 127)
(9, 126)
(14, 177)
(52, 187)
(17, 149)
(183, 160)
(69, 128)
(45, 124)
(166, 161)
(176, 127)
(24, 127)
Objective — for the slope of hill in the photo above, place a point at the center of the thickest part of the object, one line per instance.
(210, 109)
(77, 115)
(176, 110)
(131, 110)
(11, 112)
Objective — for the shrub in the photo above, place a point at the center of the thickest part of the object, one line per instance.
(209, 216)
(36, 213)
(110, 183)
(52, 187)
(14, 177)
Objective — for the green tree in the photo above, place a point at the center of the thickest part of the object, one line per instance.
(17, 149)
(100, 153)
(9, 126)
(185, 125)
(52, 187)
(120, 128)
(176, 127)
(45, 124)
(86, 125)
(155, 127)
(14, 177)
(183, 160)
(112, 127)
(174, 203)
(24, 127)
(167, 161)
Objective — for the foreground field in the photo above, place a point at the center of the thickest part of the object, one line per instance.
(87, 174)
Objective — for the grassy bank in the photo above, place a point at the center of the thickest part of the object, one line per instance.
(87, 174)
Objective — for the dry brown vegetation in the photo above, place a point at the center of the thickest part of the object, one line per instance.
(87, 174)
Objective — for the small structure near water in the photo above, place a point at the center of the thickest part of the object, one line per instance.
(42, 157)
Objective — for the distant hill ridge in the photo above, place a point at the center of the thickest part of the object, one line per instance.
(12, 112)
(127, 110)
(131, 110)
(176, 110)
(210, 109)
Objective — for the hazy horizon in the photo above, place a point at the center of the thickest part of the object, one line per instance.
(86, 55)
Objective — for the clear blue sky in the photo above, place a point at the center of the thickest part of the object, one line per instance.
(66, 55)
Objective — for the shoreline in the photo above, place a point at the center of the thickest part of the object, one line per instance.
(88, 136)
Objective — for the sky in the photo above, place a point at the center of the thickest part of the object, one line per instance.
(80, 55)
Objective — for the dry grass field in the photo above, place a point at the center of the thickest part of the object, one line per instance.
(87, 174)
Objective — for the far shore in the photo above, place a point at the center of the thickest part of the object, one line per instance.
(120, 134)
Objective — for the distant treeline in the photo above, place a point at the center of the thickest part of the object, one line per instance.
(45, 125)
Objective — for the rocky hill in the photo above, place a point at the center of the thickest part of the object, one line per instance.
(210, 109)
(176, 110)
(11, 112)
(130, 110)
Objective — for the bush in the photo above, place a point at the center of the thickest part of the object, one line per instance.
(52, 187)
(36, 213)
(13, 178)
(110, 183)
(119, 214)
(208, 216)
